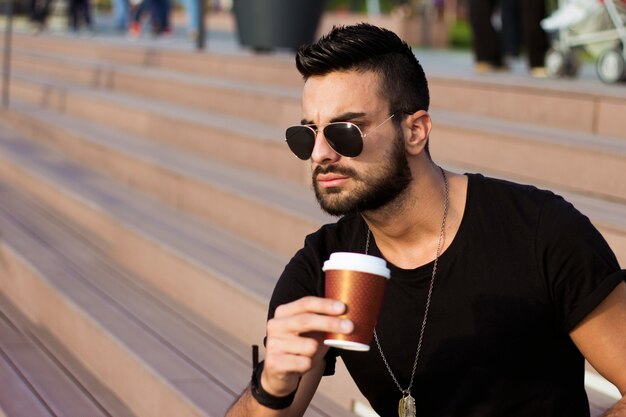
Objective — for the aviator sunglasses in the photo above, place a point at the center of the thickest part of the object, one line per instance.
(345, 138)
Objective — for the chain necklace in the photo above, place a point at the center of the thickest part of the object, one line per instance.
(406, 407)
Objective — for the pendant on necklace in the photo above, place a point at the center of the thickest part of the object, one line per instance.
(406, 407)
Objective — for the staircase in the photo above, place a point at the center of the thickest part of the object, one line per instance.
(148, 203)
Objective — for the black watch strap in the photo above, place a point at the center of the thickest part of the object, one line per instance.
(263, 397)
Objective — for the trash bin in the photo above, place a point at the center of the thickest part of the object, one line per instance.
(268, 24)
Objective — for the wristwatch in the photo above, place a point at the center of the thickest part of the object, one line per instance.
(265, 398)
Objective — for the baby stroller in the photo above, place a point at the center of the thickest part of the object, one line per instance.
(597, 26)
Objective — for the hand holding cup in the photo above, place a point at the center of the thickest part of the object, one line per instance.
(294, 340)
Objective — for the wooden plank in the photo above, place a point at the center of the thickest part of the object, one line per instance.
(211, 355)
(17, 399)
(61, 394)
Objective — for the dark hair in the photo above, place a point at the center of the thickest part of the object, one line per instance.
(365, 47)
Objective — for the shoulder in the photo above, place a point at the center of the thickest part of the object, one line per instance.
(531, 214)
(495, 187)
(510, 198)
(572, 259)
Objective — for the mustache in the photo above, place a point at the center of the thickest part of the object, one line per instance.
(334, 169)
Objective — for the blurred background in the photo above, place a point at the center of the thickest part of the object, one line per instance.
(148, 202)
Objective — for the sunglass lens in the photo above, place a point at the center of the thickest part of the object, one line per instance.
(301, 141)
(344, 138)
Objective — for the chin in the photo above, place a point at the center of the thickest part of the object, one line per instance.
(336, 207)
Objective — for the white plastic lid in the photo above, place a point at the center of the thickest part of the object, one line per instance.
(348, 345)
(357, 262)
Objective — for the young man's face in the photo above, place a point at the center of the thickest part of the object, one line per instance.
(380, 173)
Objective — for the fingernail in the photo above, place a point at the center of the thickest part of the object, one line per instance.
(346, 326)
(339, 307)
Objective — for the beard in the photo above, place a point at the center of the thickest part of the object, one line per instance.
(374, 189)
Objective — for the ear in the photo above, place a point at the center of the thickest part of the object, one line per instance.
(416, 131)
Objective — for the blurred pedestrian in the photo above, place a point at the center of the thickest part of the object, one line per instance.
(39, 11)
(511, 16)
(160, 17)
(80, 10)
(121, 14)
(486, 41)
(535, 39)
(159, 11)
(192, 10)
(139, 8)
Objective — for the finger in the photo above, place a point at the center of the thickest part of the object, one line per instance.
(281, 372)
(307, 322)
(311, 305)
(303, 346)
(278, 365)
(289, 357)
(319, 336)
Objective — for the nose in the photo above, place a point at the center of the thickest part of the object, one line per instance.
(322, 152)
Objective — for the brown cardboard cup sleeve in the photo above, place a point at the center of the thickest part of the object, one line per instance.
(358, 281)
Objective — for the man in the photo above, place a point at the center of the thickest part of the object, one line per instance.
(498, 291)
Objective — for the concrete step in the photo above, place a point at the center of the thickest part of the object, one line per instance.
(272, 70)
(518, 149)
(551, 103)
(503, 149)
(214, 274)
(155, 241)
(588, 170)
(164, 172)
(561, 104)
(271, 104)
(577, 162)
(272, 213)
(206, 366)
(223, 137)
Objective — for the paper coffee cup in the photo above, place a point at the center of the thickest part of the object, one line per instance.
(358, 281)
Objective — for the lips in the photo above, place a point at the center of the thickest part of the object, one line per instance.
(331, 180)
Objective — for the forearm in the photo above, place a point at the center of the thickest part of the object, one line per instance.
(295, 363)
(618, 410)
(247, 406)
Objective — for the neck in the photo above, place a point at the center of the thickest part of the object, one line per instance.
(407, 230)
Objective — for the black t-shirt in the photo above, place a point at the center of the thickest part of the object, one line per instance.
(523, 270)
